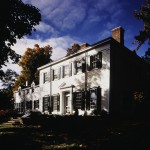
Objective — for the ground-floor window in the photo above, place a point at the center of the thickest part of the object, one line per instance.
(89, 99)
(79, 100)
(19, 107)
(94, 98)
(45, 103)
(29, 105)
(36, 104)
(56, 102)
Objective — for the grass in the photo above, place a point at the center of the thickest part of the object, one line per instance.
(118, 135)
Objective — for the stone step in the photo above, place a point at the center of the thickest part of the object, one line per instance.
(11, 121)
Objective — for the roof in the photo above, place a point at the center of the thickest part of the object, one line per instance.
(102, 42)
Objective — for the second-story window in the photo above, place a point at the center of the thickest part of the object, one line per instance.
(56, 73)
(96, 61)
(79, 66)
(45, 77)
(66, 71)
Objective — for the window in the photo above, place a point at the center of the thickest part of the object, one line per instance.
(56, 73)
(46, 104)
(93, 100)
(29, 105)
(45, 77)
(79, 101)
(36, 104)
(79, 66)
(66, 71)
(96, 61)
(56, 102)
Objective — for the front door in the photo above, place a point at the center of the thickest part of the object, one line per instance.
(67, 103)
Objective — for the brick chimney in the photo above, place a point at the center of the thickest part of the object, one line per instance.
(118, 35)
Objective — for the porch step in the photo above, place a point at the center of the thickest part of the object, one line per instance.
(14, 121)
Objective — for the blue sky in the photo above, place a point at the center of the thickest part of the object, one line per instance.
(65, 22)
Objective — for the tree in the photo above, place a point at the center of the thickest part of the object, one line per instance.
(6, 94)
(16, 20)
(75, 48)
(8, 78)
(30, 61)
(143, 15)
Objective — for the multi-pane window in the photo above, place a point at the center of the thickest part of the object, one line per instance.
(93, 98)
(56, 103)
(29, 105)
(96, 61)
(36, 104)
(78, 100)
(79, 66)
(56, 73)
(46, 104)
(45, 77)
(66, 71)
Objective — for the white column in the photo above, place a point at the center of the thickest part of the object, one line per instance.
(61, 104)
(71, 103)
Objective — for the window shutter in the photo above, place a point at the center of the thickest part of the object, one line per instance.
(52, 74)
(99, 60)
(83, 101)
(74, 101)
(83, 67)
(70, 69)
(88, 100)
(59, 73)
(63, 71)
(91, 60)
(75, 67)
(58, 102)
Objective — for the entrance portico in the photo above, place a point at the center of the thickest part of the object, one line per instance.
(66, 99)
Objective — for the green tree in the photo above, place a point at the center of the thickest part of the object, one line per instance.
(30, 61)
(6, 94)
(144, 15)
(16, 20)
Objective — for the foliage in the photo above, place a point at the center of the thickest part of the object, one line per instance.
(9, 78)
(30, 61)
(143, 15)
(146, 57)
(6, 94)
(6, 101)
(75, 48)
(16, 20)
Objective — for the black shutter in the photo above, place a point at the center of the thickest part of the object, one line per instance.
(58, 102)
(99, 60)
(75, 67)
(70, 69)
(98, 99)
(88, 100)
(83, 101)
(52, 74)
(83, 67)
(59, 75)
(91, 64)
(74, 101)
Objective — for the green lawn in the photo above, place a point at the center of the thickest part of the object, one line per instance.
(132, 135)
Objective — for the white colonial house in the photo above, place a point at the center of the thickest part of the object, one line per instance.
(92, 79)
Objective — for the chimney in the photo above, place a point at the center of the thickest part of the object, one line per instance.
(118, 35)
